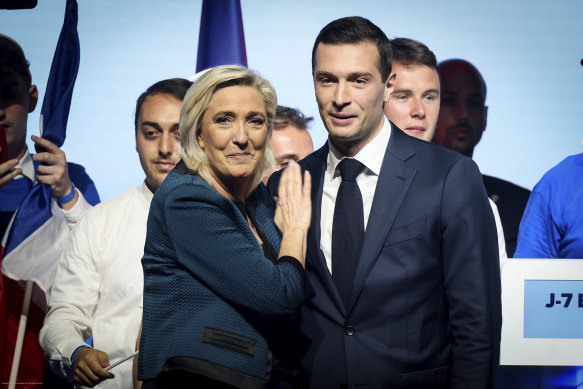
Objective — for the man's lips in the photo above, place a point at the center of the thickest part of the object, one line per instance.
(460, 131)
(416, 129)
(165, 165)
(342, 119)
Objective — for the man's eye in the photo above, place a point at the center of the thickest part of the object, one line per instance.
(448, 102)
(360, 81)
(151, 134)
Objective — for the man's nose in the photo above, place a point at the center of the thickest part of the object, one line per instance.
(418, 108)
(342, 95)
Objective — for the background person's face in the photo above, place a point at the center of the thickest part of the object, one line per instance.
(414, 104)
(462, 116)
(234, 133)
(290, 143)
(158, 137)
(16, 102)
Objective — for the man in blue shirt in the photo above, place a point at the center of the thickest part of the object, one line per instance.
(552, 225)
(72, 189)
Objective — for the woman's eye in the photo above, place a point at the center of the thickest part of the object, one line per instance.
(257, 122)
(222, 120)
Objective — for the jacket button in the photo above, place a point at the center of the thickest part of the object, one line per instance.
(349, 330)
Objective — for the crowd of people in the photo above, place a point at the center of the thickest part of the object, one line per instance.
(247, 259)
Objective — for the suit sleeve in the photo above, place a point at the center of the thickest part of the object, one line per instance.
(471, 277)
(215, 243)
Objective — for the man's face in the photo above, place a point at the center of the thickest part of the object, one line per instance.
(158, 137)
(350, 93)
(414, 104)
(289, 143)
(16, 102)
(462, 118)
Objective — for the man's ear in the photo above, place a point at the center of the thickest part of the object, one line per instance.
(389, 87)
(32, 98)
(485, 118)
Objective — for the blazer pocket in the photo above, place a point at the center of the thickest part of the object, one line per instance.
(426, 379)
(406, 232)
(229, 341)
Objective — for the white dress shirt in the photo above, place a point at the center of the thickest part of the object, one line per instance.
(371, 156)
(99, 285)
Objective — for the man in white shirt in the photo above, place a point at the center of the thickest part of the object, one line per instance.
(99, 282)
(413, 105)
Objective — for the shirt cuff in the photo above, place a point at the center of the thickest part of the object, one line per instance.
(73, 215)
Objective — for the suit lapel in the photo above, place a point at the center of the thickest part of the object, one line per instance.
(394, 181)
(316, 165)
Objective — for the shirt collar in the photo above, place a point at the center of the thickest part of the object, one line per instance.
(371, 155)
(27, 166)
(147, 193)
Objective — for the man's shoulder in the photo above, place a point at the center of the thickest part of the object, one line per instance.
(119, 205)
(499, 187)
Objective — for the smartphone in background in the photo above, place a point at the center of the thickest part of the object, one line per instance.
(3, 145)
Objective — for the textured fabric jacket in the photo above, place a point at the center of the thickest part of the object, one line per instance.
(209, 293)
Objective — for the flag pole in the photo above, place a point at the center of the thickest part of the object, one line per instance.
(20, 335)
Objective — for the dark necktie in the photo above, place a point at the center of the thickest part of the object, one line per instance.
(347, 229)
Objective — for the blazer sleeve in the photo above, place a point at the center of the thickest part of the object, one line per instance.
(471, 277)
(214, 242)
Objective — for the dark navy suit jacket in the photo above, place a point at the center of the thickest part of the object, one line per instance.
(425, 310)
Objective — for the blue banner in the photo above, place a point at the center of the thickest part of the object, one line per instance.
(221, 40)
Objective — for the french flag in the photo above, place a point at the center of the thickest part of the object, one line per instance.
(221, 39)
(38, 232)
(32, 244)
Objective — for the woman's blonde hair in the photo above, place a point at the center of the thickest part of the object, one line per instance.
(196, 102)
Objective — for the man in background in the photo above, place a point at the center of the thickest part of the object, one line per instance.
(460, 125)
(290, 139)
(99, 283)
(414, 104)
(72, 189)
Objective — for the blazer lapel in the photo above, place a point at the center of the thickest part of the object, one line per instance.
(315, 260)
(394, 181)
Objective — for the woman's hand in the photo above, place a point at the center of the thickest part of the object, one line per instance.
(293, 212)
(294, 204)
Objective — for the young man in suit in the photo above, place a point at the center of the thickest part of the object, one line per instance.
(407, 289)
(414, 103)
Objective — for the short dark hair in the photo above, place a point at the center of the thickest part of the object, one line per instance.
(176, 87)
(410, 52)
(355, 30)
(12, 59)
(465, 65)
(286, 116)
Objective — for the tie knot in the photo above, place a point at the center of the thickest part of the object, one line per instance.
(350, 169)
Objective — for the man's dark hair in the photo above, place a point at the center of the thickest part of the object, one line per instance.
(12, 59)
(410, 52)
(464, 65)
(354, 30)
(286, 116)
(176, 87)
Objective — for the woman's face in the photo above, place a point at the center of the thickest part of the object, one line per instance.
(234, 133)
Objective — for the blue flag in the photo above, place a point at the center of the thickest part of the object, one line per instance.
(221, 40)
(35, 209)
